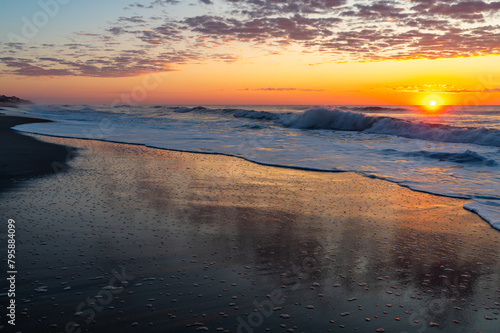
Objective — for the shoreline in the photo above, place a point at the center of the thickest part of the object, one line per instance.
(493, 224)
(204, 239)
(24, 156)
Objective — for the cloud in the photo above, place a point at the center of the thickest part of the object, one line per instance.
(343, 30)
(458, 91)
(121, 66)
(440, 88)
(133, 19)
(153, 4)
(380, 10)
(15, 46)
(87, 34)
(263, 8)
(461, 10)
(126, 63)
(337, 30)
(282, 89)
(24, 68)
(262, 30)
(116, 30)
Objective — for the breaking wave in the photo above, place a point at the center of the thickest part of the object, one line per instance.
(334, 119)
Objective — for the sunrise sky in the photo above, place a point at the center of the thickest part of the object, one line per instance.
(251, 52)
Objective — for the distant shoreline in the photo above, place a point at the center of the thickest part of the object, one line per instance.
(13, 101)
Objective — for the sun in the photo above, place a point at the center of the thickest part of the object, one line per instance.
(433, 103)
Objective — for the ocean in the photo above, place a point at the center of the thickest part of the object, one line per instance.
(454, 152)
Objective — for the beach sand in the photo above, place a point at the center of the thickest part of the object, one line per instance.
(135, 239)
(22, 156)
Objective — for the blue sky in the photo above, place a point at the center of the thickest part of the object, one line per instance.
(73, 16)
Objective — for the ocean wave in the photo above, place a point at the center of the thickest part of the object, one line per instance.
(253, 127)
(237, 113)
(183, 109)
(376, 109)
(258, 115)
(467, 157)
(334, 119)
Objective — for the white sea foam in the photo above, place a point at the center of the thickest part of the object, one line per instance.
(488, 210)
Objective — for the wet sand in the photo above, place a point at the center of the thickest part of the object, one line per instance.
(134, 239)
(22, 156)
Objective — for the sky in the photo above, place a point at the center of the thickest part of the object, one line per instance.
(312, 52)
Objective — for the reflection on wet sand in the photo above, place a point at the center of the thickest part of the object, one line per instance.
(219, 243)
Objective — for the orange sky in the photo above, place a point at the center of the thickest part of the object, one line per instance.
(307, 52)
(383, 83)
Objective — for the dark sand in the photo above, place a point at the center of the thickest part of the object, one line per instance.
(22, 156)
(134, 239)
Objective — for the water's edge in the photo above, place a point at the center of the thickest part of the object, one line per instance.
(471, 205)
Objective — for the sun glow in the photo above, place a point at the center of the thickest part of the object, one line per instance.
(432, 103)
